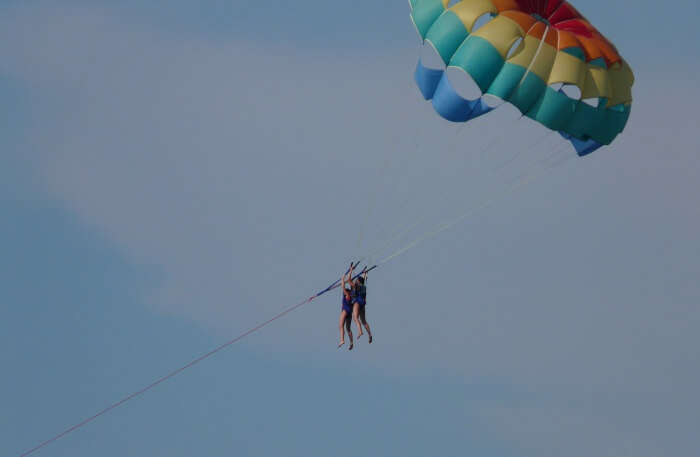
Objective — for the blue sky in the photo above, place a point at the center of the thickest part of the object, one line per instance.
(173, 174)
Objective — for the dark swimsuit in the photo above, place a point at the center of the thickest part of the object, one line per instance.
(347, 305)
(359, 295)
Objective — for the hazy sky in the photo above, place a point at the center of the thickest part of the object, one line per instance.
(174, 174)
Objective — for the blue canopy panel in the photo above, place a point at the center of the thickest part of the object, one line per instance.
(427, 80)
(583, 147)
(435, 86)
(450, 105)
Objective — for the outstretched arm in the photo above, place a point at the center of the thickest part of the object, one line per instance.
(348, 274)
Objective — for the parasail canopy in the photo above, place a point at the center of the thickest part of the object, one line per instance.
(542, 56)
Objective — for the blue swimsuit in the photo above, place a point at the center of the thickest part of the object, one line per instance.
(359, 295)
(347, 304)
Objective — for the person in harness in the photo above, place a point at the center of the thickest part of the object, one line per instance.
(346, 309)
(359, 300)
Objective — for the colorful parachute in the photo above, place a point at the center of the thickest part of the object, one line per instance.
(542, 56)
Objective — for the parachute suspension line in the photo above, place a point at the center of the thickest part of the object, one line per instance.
(461, 129)
(514, 186)
(522, 182)
(404, 203)
(414, 144)
(452, 146)
(534, 58)
(527, 71)
(546, 164)
(539, 141)
(490, 145)
(402, 231)
(415, 148)
(373, 200)
(398, 233)
(550, 164)
(188, 365)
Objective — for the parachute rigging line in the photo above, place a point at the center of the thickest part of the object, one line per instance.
(369, 257)
(520, 182)
(400, 232)
(386, 162)
(539, 141)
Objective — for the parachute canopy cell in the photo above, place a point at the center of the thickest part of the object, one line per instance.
(533, 54)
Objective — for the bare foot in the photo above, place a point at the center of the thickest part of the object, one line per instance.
(358, 336)
(341, 343)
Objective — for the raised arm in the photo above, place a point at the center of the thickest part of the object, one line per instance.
(348, 274)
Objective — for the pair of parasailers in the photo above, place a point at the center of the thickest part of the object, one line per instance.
(354, 301)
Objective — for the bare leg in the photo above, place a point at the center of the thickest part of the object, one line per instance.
(355, 314)
(348, 320)
(361, 313)
(343, 315)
